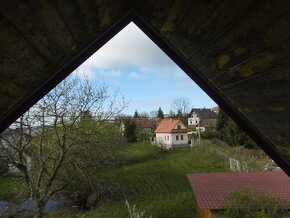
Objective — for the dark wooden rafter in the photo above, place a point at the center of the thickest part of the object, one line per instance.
(174, 54)
(42, 25)
(261, 53)
(61, 74)
(222, 31)
(211, 91)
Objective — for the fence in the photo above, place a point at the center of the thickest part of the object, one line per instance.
(238, 166)
(235, 164)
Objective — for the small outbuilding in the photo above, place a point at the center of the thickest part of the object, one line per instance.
(171, 133)
(212, 189)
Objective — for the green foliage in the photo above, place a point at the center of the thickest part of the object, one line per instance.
(3, 166)
(252, 203)
(156, 182)
(231, 133)
(101, 151)
(13, 189)
(136, 114)
(250, 159)
(179, 114)
(209, 133)
(141, 136)
(160, 113)
(86, 115)
(130, 130)
(133, 212)
(69, 136)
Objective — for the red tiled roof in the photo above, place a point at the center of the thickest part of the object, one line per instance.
(212, 189)
(167, 126)
(145, 122)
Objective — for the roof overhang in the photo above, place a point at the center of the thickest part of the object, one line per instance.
(236, 51)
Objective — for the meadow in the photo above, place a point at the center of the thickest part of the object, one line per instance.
(151, 179)
(156, 181)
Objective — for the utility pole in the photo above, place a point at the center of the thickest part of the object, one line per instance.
(198, 133)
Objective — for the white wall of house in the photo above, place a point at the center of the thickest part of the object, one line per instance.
(193, 120)
(179, 139)
(164, 139)
(179, 126)
(170, 140)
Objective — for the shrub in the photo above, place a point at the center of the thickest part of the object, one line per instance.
(3, 165)
(231, 133)
(252, 203)
(209, 134)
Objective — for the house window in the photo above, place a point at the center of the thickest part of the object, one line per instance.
(177, 138)
(165, 137)
(168, 137)
(178, 126)
(181, 137)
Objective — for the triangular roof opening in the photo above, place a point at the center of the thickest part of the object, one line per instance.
(54, 73)
(144, 73)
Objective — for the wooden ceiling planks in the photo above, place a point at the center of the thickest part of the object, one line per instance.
(237, 50)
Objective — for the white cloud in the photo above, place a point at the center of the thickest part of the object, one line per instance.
(132, 48)
(82, 73)
(136, 76)
(108, 73)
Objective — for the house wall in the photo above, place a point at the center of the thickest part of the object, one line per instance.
(169, 140)
(179, 142)
(181, 126)
(164, 139)
(193, 120)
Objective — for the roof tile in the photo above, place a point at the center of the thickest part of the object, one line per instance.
(167, 126)
(212, 189)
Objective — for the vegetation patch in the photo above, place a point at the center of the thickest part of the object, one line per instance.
(156, 182)
(252, 203)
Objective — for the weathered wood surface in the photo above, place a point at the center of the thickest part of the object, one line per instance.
(241, 48)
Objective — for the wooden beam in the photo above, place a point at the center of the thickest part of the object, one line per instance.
(214, 93)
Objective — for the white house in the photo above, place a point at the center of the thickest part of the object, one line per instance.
(193, 119)
(202, 119)
(171, 133)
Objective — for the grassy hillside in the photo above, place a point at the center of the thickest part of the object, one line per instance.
(156, 182)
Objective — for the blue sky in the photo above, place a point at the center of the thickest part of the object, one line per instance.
(144, 74)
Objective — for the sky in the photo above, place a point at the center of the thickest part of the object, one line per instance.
(143, 73)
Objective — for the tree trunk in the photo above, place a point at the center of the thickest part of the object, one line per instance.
(40, 209)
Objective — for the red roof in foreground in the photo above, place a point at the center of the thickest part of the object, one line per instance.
(167, 126)
(211, 189)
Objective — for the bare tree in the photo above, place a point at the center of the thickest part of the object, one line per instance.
(50, 129)
(144, 114)
(181, 105)
(154, 113)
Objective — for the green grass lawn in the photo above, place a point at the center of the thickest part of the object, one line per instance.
(156, 182)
